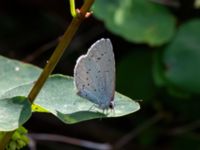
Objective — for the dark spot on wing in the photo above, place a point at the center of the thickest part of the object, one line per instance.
(88, 71)
(95, 90)
(102, 54)
(87, 79)
(98, 58)
(99, 71)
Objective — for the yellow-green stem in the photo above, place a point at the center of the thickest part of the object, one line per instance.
(63, 44)
(72, 8)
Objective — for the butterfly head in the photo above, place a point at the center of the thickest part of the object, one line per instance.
(106, 106)
(111, 105)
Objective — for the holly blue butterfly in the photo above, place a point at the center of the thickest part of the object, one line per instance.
(94, 74)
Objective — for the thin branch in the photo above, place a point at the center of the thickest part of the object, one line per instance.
(32, 143)
(185, 128)
(132, 134)
(69, 140)
(75, 45)
(6, 138)
(41, 50)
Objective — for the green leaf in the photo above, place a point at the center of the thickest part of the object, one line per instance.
(14, 112)
(182, 58)
(161, 80)
(15, 73)
(59, 97)
(138, 21)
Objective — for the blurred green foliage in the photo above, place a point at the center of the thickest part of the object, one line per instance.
(138, 21)
(182, 57)
(164, 71)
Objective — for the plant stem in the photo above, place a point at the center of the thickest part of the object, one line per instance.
(6, 138)
(58, 52)
(63, 44)
(72, 8)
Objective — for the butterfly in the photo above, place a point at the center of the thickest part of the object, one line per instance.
(94, 74)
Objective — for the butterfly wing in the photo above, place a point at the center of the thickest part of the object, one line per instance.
(94, 74)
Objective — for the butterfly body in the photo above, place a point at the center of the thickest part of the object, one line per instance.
(94, 74)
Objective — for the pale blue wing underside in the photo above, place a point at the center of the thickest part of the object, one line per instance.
(94, 74)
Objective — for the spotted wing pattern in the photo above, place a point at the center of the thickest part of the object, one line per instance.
(94, 74)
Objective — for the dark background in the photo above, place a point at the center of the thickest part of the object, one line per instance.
(29, 32)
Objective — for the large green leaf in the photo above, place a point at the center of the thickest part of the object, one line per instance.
(59, 97)
(138, 21)
(14, 112)
(182, 58)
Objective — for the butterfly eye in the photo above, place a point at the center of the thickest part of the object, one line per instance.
(111, 105)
